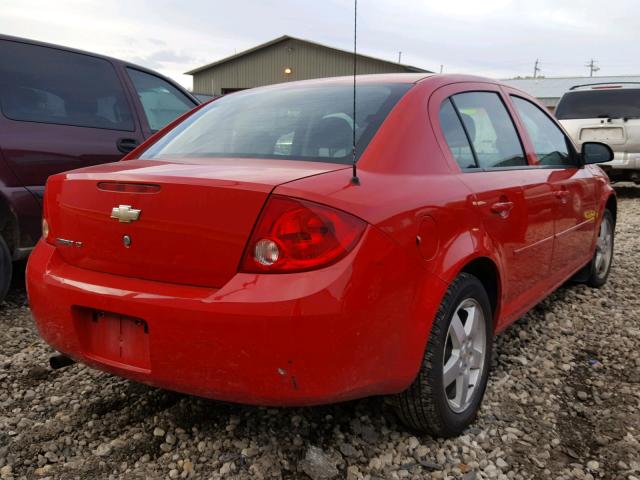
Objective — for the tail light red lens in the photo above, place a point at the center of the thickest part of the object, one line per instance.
(296, 235)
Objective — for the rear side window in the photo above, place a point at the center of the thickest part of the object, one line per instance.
(490, 129)
(161, 101)
(550, 144)
(455, 136)
(47, 85)
(614, 103)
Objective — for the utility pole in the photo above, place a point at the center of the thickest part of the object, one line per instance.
(592, 67)
(399, 57)
(441, 68)
(536, 68)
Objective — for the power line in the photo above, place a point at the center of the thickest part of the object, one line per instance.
(592, 67)
(536, 68)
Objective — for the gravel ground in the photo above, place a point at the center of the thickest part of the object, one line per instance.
(563, 402)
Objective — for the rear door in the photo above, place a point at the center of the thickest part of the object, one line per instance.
(61, 110)
(574, 187)
(513, 201)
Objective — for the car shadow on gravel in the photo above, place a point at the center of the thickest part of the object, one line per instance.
(627, 190)
(17, 294)
(288, 431)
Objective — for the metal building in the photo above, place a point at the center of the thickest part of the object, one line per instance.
(281, 60)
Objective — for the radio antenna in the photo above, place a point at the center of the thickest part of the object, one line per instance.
(354, 178)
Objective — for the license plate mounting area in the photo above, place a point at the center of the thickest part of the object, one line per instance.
(115, 339)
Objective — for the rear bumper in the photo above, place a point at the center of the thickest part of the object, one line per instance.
(354, 329)
(623, 161)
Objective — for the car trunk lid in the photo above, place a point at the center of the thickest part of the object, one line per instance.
(193, 219)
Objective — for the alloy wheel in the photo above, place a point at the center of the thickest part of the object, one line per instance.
(604, 247)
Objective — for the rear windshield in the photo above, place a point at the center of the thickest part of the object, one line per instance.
(301, 122)
(622, 103)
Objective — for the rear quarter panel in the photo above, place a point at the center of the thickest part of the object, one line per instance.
(409, 191)
(407, 174)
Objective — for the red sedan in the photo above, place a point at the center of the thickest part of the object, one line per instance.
(234, 256)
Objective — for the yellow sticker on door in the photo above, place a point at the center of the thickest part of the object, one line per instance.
(590, 214)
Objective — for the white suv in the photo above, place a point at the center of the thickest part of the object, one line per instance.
(608, 113)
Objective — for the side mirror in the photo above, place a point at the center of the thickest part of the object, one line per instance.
(596, 152)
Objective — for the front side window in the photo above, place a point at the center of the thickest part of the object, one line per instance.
(291, 122)
(550, 144)
(490, 129)
(455, 136)
(47, 85)
(161, 101)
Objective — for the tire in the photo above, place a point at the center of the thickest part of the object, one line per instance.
(600, 265)
(6, 269)
(426, 406)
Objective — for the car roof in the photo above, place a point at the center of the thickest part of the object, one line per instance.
(377, 78)
(91, 54)
(401, 78)
(61, 47)
(383, 78)
(603, 86)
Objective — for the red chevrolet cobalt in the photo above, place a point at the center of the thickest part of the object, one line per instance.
(235, 256)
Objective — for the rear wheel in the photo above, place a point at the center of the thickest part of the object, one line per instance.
(6, 269)
(444, 398)
(600, 265)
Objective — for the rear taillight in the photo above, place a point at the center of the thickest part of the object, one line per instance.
(295, 235)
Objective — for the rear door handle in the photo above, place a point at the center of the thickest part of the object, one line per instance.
(502, 209)
(125, 145)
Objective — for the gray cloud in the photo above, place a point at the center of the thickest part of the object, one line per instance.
(161, 58)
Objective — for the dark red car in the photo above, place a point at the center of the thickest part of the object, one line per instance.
(62, 109)
(232, 256)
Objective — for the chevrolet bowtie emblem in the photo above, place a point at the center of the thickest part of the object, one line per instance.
(125, 214)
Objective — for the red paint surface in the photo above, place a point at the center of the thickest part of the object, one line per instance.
(354, 328)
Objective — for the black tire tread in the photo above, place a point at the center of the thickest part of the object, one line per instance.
(6, 269)
(414, 406)
(593, 280)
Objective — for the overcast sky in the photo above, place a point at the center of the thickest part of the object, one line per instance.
(496, 38)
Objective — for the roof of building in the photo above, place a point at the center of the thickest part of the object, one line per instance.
(409, 68)
(556, 87)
